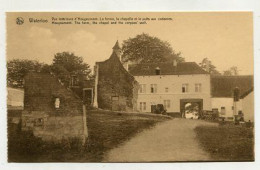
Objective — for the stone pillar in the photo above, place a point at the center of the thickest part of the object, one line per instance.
(95, 104)
(85, 127)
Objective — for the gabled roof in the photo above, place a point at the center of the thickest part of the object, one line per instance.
(168, 68)
(247, 93)
(223, 86)
(115, 60)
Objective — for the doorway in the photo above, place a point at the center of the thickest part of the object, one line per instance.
(88, 96)
(191, 106)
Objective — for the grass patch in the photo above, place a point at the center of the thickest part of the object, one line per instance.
(107, 130)
(228, 142)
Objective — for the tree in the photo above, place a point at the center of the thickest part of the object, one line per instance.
(18, 68)
(66, 64)
(207, 65)
(148, 49)
(233, 71)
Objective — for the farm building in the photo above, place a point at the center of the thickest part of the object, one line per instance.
(222, 88)
(172, 84)
(116, 89)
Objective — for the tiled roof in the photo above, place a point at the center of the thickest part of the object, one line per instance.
(166, 69)
(247, 93)
(223, 86)
(115, 60)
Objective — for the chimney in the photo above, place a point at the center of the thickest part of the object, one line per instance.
(117, 50)
(207, 65)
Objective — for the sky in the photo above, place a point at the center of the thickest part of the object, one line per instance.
(225, 38)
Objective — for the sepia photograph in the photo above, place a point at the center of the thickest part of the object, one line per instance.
(130, 87)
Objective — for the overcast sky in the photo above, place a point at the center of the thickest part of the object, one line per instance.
(225, 38)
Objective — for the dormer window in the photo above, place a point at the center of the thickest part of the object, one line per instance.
(157, 71)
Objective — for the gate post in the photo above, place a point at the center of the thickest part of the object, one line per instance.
(85, 128)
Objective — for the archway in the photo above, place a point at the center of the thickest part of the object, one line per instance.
(191, 105)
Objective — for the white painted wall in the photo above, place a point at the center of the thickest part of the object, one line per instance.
(248, 107)
(174, 84)
(226, 102)
(15, 97)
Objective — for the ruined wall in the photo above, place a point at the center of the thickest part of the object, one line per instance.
(114, 80)
(40, 92)
(40, 114)
(53, 127)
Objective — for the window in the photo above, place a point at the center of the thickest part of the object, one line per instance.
(166, 89)
(153, 88)
(223, 110)
(167, 104)
(215, 110)
(115, 98)
(197, 87)
(185, 88)
(74, 81)
(142, 88)
(157, 71)
(145, 67)
(142, 106)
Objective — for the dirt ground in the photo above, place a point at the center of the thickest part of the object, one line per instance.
(173, 140)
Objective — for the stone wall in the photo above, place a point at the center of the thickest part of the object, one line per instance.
(114, 80)
(40, 92)
(40, 114)
(58, 128)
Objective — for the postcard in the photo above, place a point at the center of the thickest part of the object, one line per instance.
(124, 87)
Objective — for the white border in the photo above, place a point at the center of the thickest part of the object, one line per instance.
(127, 5)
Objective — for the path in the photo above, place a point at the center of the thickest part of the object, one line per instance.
(174, 140)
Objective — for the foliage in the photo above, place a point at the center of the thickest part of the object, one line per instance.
(18, 68)
(148, 49)
(65, 64)
(192, 107)
(233, 71)
(207, 63)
